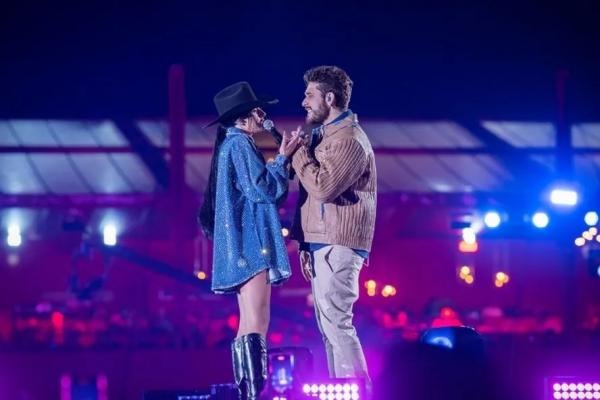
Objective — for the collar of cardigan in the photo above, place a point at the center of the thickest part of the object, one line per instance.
(331, 128)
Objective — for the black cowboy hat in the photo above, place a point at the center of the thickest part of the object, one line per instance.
(236, 100)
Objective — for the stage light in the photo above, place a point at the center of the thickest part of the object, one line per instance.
(593, 231)
(285, 232)
(371, 286)
(469, 236)
(465, 247)
(502, 277)
(233, 322)
(334, 389)
(564, 197)
(591, 218)
(571, 388)
(464, 271)
(540, 220)
(447, 312)
(388, 290)
(492, 219)
(110, 234)
(201, 275)
(587, 236)
(14, 238)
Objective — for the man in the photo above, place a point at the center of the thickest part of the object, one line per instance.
(336, 218)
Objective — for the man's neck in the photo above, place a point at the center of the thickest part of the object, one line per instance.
(335, 112)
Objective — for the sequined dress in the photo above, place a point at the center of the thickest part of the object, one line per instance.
(247, 235)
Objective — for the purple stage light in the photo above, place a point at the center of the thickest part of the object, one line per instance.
(337, 389)
(570, 387)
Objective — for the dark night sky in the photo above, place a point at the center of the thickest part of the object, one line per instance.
(411, 60)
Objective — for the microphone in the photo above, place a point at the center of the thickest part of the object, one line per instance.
(269, 126)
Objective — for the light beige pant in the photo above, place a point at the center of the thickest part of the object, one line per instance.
(335, 290)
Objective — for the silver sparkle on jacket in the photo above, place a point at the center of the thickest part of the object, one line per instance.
(247, 235)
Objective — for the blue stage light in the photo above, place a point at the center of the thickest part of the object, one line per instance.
(540, 220)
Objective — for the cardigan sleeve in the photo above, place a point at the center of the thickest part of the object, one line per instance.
(340, 165)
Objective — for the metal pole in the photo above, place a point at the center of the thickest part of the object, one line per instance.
(564, 147)
(564, 169)
(177, 121)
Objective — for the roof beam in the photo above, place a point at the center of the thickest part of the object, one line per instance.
(527, 173)
(152, 156)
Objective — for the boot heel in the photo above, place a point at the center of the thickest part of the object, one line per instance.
(237, 356)
(255, 364)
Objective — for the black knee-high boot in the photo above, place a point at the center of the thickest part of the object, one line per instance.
(237, 356)
(255, 364)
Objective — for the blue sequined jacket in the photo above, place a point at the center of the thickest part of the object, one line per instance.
(247, 235)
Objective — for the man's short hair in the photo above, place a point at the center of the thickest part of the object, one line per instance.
(330, 78)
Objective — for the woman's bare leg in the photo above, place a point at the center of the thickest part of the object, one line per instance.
(254, 299)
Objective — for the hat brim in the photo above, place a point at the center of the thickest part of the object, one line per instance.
(241, 109)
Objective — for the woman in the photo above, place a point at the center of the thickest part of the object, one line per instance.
(240, 215)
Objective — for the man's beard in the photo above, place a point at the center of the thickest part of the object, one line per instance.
(318, 116)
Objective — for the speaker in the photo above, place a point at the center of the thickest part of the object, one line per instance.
(288, 368)
(176, 395)
(458, 339)
(227, 391)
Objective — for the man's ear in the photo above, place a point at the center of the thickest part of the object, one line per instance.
(329, 98)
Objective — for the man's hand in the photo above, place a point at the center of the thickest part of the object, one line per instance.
(304, 137)
(305, 265)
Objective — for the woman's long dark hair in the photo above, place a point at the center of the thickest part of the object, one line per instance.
(206, 215)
